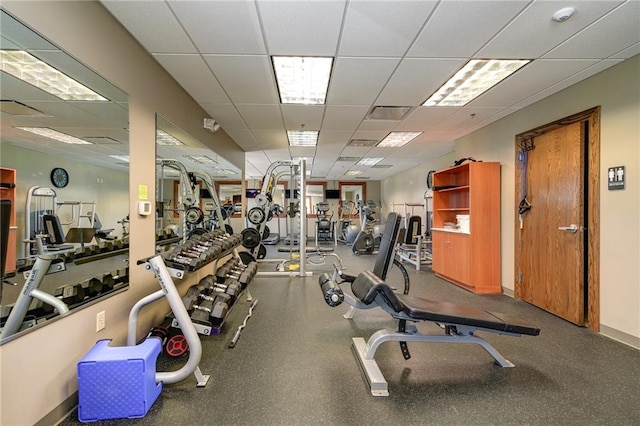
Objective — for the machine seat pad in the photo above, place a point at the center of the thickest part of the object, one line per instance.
(369, 288)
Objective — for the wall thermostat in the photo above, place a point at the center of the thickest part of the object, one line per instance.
(144, 208)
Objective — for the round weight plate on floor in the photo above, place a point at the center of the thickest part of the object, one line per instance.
(250, 238)
(266, 232)
(256, 215)
(176, 346)
(246, 257)
(262, 251)
(193, 215)
(228, 229)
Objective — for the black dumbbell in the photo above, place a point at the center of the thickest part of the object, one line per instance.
(232, 287)
(243, 277)
(209, 313)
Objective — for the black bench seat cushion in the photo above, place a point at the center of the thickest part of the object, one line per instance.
(369, 288)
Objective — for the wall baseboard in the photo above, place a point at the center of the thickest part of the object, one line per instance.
(507, 292)
(620, 336)
(61, 412)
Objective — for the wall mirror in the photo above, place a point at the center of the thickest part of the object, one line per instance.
(350, 193)
(189, 202)
(64, 154)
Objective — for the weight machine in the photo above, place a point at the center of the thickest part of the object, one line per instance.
(188, 197)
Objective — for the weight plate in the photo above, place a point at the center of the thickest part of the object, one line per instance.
(246, 257)
(176, 346)
(256, 215)
(193, 215)
(269, 215)
(262, 251)
(266, 232)
(250, 238)
(228, 229)
(261, 199)
(277, 210)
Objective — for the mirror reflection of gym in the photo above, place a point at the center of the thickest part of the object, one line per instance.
(63, 202)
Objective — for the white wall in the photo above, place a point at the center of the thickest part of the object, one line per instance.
(617, 91)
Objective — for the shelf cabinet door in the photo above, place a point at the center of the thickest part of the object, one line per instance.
(452, 256)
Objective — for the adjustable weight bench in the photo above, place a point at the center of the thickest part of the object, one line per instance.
(459, 323)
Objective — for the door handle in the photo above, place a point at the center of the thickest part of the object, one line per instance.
(573, 228)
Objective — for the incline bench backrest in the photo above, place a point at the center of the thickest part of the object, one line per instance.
(387, 243)
(368, 286)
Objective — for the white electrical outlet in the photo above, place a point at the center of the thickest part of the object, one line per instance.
(101, 321)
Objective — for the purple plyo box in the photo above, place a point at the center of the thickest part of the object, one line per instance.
(118, 382)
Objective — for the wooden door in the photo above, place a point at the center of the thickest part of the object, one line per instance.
(552, 253)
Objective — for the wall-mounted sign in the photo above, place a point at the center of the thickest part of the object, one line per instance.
(615, 178)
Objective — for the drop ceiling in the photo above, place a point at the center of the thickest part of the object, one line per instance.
(387, 54)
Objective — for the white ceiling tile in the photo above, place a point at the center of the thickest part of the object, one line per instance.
(534, 32)
(343, 118)
(331, 142)
(532, 78)
(226, 115)
(297, 117)
(194, 76)
(221, 27)
(271, 139)
(416, 79)
(454, 29)
(153, 24)
(261, 116)
(377, 125)
(382, 28)
(244, 138)
(370, 135)
(355, 151)
(358, 81)
(423, 118)
(277, 155)
(247, 79)
(302, 151)
(306, 28)
(628, 53)
(590, 42)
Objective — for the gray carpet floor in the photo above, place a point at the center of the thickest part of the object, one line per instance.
(293, 365)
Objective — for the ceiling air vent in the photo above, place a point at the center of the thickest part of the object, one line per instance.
(395, 113)
(362, 142)
(354, 159)
(382, 166)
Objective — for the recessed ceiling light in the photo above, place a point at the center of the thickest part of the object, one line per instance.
(302, 79)
(362, 177)
(32, 70)
(55, 135)
(102, 140)
(369, 161)
(165, 139)
(225, 172)
(398, 139)
(353, 172)
(201, 159)
(302, 137)
(474, 78)
(382, 166)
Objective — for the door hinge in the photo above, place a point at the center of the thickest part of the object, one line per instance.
(520, 277)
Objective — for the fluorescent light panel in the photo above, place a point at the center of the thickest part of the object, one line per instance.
(165, 139)
(124, 158)
(201, 159)
(302, 79)
(369, 161)
(473, 79)
(302, 137)
(55, 135)
(398, 139)
(32, 70)
(353, 172)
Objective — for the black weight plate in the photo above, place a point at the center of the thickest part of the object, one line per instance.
(246, 257)
(265, 233)
(269, 215)
(250, 238)
(262, 251)
(193, 215)
(228, 229)
(256, 215)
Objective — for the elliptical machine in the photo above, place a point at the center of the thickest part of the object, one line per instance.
(325, 227)
(365, 242)
(348, 231)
